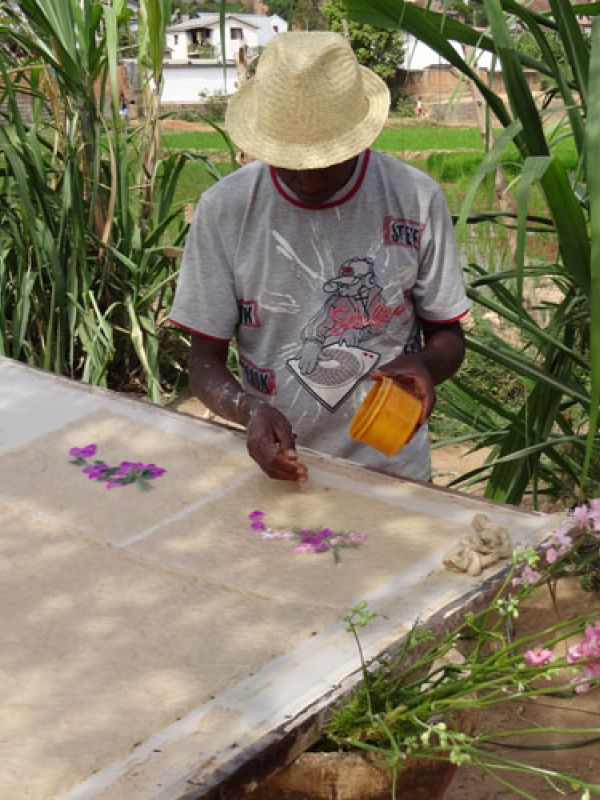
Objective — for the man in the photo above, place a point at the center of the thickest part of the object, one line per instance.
(329, 263)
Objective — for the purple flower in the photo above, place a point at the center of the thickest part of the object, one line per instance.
(316, 537)
(151, 471)
(113, 483)
(256, 520)
(125, 467)
(96, 472)
(83, 452)
(307, 541)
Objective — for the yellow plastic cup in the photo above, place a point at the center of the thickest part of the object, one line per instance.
(387, 417)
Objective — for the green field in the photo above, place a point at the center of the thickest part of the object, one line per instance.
(450, 155)
(394, 139)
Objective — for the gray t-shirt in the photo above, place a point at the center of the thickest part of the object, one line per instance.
(318, 297)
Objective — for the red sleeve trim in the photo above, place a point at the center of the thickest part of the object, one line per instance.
(195, 332)
(340, 201)
(445, 321)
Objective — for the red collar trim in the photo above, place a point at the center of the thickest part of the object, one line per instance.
(340, 200)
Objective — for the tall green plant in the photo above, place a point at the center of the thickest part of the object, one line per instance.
(86, 200)
(550, 443)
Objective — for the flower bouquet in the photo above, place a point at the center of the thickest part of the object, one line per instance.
(412, 716)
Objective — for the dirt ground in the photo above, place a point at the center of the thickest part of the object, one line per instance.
(581, 711)
(169, 124)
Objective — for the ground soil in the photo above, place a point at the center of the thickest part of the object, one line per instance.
(581, 711)
(183, 125)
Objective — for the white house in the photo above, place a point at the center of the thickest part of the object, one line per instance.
(419, 56)
(193, 68)
(199, 38)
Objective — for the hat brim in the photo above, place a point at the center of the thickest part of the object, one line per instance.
(241, 124)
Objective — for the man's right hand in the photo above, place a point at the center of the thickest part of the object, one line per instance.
(271, 443)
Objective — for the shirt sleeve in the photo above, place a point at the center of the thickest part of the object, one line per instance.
(205, 299)
(439, 293)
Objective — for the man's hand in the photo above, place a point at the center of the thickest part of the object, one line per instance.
(410, 372)
(269, 435)
(271, 443)
(439, 359)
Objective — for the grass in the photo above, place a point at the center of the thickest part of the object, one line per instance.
(450, 155)
(195, 179)
(393, 139)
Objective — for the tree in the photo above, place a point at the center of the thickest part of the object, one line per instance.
(380, 50)
(282, 8)
(305, 15)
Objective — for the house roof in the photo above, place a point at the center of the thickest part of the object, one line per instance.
(208, 20)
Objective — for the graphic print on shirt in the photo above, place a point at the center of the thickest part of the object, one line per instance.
(248, 313)
(332, 358)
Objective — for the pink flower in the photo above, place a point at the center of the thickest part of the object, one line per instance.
(275, 533)
(356, 538)
(527, 577)
(575, 653)
(588, 651)
(305, 547)
(559, 543)
(287, 533)
(582, 517)
(563, 539)
(538, 658)
(595, 513)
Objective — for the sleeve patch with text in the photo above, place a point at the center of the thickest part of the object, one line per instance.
(402, 232)
(261, 379)
(248, 310)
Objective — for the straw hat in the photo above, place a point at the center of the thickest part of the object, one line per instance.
(310, 104)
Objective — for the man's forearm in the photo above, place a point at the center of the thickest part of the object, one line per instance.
(443, 352)
(218, 389)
